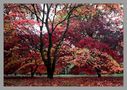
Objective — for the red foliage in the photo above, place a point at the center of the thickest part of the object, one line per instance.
(93, 33)
(64, 81)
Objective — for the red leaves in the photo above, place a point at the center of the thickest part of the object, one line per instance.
(91, 43)
(41, 69)
(88, 59)
(6, 18)
(65, 81)
(94, 40)
(26, 21)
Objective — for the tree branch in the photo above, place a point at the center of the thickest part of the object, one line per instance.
(47, 17)
(63, 36)
(35, 11)
(31, 11)
(41, 42)
(60, 42)
(54, 18)
(66, 16)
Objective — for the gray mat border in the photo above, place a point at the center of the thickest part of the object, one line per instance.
(63, 1)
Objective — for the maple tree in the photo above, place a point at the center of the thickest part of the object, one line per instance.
(50, 64)
(99, 28)
(18, 38)
(46, 38)
(84, 60)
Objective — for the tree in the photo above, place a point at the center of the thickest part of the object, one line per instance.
(88, 61)
(18, 31)
(103, 27)
(34, 10)
(81, 26)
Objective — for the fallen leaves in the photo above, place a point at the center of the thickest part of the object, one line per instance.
(64, 81)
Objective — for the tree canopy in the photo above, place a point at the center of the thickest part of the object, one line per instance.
(49, 38)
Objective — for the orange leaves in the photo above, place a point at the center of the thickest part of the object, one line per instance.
(109, 6)
(85, 10)
(113, 6)
(59, 28)
(91, 58)
(7, 24)
(12, 65)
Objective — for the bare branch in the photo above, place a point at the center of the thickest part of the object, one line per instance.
(47, 17)
(41, 42)
(35, 11)
(54, 18)
(31, 11)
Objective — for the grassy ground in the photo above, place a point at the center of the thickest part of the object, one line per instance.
(63, 75)
(63, 81)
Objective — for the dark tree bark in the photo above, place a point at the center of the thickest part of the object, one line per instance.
(49, 73)
(98, 71)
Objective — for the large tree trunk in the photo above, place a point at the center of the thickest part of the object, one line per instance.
(50, 75)
(50, 72)
(32, 75)
(99, 74)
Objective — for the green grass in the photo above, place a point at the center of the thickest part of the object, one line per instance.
(68, 75)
